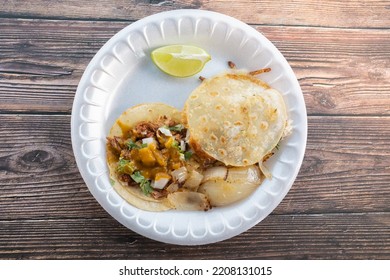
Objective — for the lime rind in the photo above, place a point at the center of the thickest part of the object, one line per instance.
(180, 60)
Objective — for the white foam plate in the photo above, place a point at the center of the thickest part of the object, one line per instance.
(122, 75)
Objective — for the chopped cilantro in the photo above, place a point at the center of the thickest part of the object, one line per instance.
(175, 145)
(132, 145)
(184, 155)
(137, 177)
(178, 127)
(121, 164)
(125, 166)
(187, 155)
(144, 183)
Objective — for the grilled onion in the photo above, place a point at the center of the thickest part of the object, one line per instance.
(250, 174)
(221, 193)
(215, 172)
(187, 200)
(240, 183)
(193, 181)
(180, 175)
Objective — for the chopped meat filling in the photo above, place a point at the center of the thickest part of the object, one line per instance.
(148, 153)
(116, 144)
(145, 129)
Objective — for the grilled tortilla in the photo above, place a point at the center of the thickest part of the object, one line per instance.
(123, 125)
(235, 118)
(146, 156)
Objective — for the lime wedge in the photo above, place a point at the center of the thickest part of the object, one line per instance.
(180, 60)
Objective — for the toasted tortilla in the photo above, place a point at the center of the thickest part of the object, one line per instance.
(235, 118)
(126, 121)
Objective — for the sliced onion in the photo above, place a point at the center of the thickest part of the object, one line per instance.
(160, 183)
(180, 174)
(248, 174)
(193, 181)
(265, 171)
(148, 140)
(182, 146)
(221, 192)
(214, 173)
(172, 187)
(165, 131)
(187, 200)
(254, 174)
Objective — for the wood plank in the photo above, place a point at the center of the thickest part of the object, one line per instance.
(348, 236)
(341, 71)
(346, 169)
(354, 13)
(38, 173)
(41, 62)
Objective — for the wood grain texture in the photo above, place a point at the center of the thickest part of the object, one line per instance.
(346, 167)
(38, 173)
(41, 62)
(341, 173)
(341, 71)
(363, 236)
(353, 13)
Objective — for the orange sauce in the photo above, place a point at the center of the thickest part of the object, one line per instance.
(166, 161)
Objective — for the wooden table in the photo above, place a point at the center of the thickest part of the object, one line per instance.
(339, 206)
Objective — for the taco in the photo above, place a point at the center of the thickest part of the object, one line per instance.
(235, 118)
(146, 156)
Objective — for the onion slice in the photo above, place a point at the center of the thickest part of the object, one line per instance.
(180, 174)
(214, 173)
(182, 146)
(148, 140)
(221, 193)
(193, 181)
(160, 183)
(187, 200)
(265, 171)
(249, 174)
(173, 187)
(165, 131)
